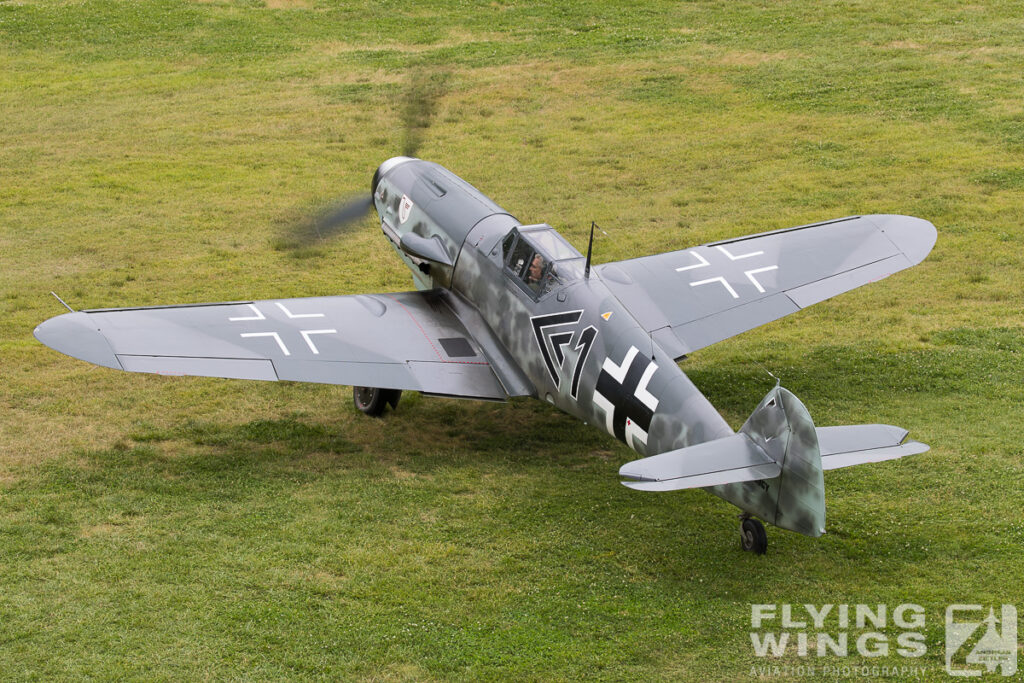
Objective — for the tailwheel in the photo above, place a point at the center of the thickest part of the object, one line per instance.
(373, 400)
(753, 538)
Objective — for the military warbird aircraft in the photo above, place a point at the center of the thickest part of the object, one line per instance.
(504, 309)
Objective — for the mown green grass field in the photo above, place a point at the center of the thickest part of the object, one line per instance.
(185, 528)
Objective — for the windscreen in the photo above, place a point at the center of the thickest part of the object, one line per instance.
(539, 259)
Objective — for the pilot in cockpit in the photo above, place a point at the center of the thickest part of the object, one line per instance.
(534, 273)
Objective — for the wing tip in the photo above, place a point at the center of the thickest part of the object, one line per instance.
(914, 237)
(73, 335)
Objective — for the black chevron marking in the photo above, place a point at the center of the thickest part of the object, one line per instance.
(558, 342)
(542, 323)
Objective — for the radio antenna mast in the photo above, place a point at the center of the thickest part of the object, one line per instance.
(590, 250)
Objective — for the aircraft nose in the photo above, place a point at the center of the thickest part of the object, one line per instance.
(73, 334)
(384, 168)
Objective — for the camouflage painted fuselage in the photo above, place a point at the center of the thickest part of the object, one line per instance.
(579, 347)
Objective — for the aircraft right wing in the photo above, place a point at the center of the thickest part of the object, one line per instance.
(693, 298)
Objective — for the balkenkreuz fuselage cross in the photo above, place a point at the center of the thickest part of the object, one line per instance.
(622, 391)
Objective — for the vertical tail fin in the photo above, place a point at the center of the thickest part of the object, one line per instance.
(783, 428)
(795, 499)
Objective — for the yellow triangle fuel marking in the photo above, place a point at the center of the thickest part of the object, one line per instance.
(606, 315)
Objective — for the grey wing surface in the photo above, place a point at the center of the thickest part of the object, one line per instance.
(693, 298)
(411, 340)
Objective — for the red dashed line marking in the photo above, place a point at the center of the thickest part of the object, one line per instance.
(429, 341)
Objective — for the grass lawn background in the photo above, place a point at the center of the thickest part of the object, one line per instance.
(171, 528)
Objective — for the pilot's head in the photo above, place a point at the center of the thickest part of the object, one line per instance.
(536, 268)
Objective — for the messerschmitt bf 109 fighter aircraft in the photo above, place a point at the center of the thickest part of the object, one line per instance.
(505, 309)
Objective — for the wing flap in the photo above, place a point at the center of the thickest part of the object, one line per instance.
(723, 461)
(705, 332)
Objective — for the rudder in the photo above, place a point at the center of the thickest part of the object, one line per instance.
(782, 427)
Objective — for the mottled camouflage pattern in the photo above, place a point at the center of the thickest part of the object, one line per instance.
(443, 206)
(795, 499)
(388, 202)
(508, 310)
(683, 416)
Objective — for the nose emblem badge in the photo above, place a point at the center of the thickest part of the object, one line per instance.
(404, 209)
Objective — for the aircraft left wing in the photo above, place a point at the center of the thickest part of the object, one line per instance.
(693, 298)
(411, 340)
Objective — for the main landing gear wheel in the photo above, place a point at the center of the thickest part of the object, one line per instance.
(373, 401)
(753, 538)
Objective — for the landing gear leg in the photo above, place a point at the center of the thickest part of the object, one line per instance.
(753, 538)
(372, 401)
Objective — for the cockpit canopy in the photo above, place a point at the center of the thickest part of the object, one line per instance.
(538, 259)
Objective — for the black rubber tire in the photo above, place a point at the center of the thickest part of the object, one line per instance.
(753, 538)
(393, 396)
(370, 400)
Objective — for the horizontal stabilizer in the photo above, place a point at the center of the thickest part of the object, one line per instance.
(723, 461)
(859, 444)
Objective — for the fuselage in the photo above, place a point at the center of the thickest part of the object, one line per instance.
(579, 347)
